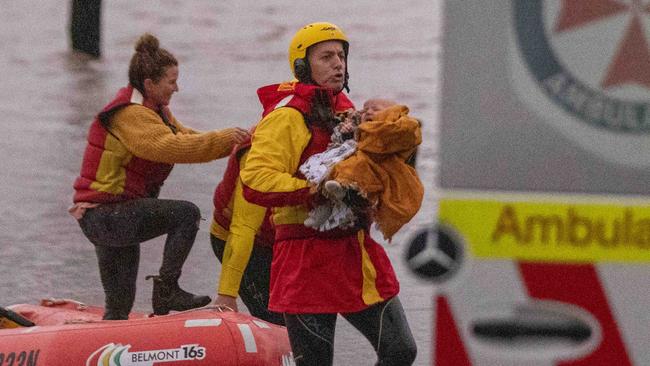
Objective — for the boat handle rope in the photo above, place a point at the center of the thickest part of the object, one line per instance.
(50, 302)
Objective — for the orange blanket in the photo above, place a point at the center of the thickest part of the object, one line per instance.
(379, 171)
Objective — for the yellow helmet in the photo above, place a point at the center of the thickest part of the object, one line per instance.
(308, 36)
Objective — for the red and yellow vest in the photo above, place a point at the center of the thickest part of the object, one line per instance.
(312, 272)
(224, 194)
(108, 172)
(298, 96)
(295, 95)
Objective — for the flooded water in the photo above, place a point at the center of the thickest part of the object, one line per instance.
(226, 51)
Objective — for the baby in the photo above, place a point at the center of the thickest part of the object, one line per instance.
(363, 173)
(372, 106)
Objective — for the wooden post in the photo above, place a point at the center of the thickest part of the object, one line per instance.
(85, 21)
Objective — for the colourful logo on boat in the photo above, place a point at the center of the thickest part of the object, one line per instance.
(118, 355)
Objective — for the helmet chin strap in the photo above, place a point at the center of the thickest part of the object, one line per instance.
(307, 80)
(345, 87)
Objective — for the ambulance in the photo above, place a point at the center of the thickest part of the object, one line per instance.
(540, 254)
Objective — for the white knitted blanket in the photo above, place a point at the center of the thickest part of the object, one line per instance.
(319, 166)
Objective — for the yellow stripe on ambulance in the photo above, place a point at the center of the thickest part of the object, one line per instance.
(551, 231)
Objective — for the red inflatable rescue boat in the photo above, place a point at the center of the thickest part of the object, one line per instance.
(69, 333)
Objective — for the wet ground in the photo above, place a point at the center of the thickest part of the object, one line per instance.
(48, 97)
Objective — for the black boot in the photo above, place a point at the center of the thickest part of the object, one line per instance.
(118, 269)
(112, 314)
(167, 295)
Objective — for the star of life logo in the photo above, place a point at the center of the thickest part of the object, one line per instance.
(118, 355)
(584, 66)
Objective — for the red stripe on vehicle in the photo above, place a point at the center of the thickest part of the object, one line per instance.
(579, 285)
(448, 345)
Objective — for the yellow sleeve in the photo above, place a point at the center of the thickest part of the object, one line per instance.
(182, 128)
(145, 135)
(246, 221)
(277, 144)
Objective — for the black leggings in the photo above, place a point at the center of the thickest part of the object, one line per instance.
(117, 229)
(254, 288)
(383, 324)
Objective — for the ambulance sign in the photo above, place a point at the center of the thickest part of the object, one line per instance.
(541, 252)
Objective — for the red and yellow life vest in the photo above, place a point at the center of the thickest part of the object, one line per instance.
(312, 272)
(109, 173)
(298, 96)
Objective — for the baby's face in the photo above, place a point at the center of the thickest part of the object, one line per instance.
(372, 106)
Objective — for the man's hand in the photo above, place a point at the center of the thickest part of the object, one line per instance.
(227, 303)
